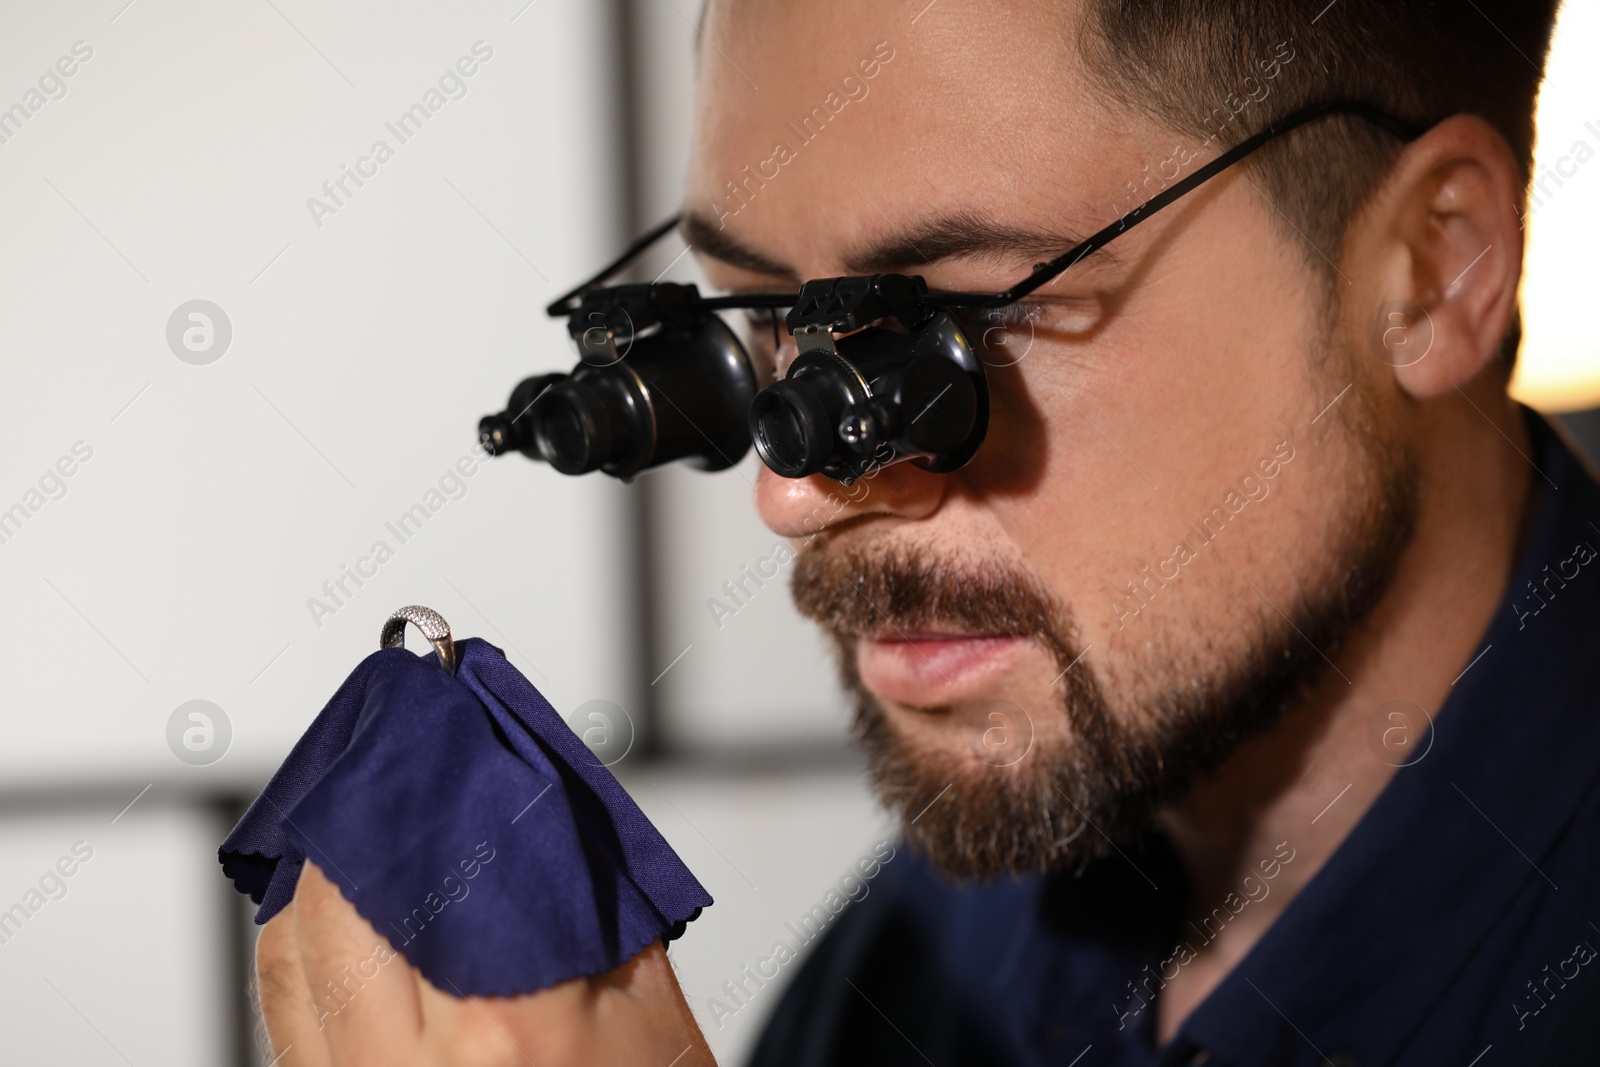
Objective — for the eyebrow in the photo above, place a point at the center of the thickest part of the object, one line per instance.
(711, 240)
(923, 243)
(963, 235)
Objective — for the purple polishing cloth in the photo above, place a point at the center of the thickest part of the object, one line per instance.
(468, 825)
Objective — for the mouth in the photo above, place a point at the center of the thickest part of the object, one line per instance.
(927, 668)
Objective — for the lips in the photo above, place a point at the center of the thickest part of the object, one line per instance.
(927, 668)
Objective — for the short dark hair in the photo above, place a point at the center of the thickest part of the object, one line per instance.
(1181, 60)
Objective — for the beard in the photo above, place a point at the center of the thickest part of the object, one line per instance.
(1101, 781)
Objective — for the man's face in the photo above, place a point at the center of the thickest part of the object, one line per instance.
(1105, 602)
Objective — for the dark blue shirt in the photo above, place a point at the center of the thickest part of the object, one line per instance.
(1458, 923)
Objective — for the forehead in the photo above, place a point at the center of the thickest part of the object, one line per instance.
(827, 122)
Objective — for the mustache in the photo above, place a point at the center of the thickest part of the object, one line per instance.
(969, 823)
(858, 590)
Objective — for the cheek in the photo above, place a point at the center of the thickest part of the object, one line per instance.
(1138, 433)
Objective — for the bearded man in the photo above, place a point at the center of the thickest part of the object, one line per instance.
(1235, 695)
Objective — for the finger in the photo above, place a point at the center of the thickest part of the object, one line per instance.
(647, 989)
(633, 1015)
(286, 1005)
(365, 991)
(518, 1031)
(461, 1031)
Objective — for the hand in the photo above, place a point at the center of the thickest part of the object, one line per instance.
(634, 1015)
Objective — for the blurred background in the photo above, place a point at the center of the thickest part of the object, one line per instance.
(174, 617)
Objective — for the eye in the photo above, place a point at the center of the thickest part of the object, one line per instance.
(1019, 314)
(767, 341)
(1005, 325)
(1005, 335)
(1057, 319)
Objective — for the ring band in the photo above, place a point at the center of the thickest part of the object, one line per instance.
(433, 627)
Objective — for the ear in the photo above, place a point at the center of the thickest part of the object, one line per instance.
(1437, 256)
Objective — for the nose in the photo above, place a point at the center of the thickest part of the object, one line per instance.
(800, 507)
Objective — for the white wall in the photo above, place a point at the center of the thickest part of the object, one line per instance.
(118, 963)
(218, 498)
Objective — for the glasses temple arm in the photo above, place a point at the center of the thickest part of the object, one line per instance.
(1047, 272)
(563, 305)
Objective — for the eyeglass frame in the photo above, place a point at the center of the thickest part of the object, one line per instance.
(929, 300)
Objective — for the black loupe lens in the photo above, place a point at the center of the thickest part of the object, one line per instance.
(789, 426)
(573, 428)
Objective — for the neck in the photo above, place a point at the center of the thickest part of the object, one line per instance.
(1243, 821)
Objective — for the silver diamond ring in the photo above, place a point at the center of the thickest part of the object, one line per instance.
(433, 627)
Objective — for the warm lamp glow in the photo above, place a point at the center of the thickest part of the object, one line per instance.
(1559, 369)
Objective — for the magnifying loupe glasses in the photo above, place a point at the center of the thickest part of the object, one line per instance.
(885, 370)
